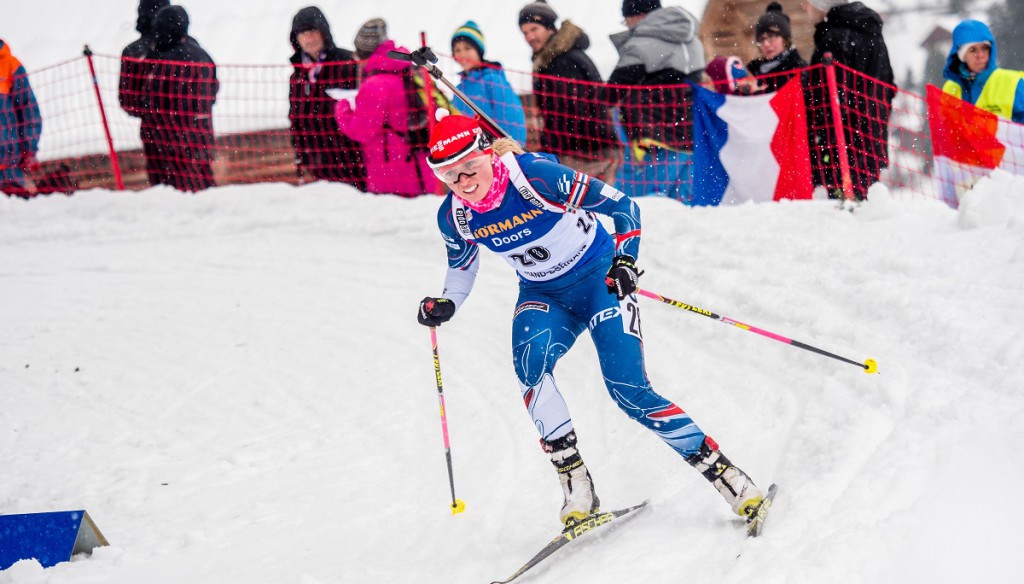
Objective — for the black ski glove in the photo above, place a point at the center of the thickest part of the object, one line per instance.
(623, 277)
(435, 311)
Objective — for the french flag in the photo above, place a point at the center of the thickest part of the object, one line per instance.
(750, 148)
(968, 143)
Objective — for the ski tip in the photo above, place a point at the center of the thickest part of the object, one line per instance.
(870, 366)
(458, 506)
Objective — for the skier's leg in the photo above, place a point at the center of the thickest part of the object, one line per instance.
(542, 331)
(615, 328)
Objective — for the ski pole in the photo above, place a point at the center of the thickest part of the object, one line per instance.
(869, 366)
(458, 505)
(424, 57)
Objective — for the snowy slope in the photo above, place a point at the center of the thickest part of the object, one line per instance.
(234, 386)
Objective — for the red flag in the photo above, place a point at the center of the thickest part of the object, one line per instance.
(962, 132)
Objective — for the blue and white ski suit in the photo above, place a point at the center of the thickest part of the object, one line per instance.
(546, 229)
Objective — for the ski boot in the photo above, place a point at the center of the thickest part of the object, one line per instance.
(739, 491)
(578, 488)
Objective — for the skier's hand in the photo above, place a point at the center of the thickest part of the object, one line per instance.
(435, 311)
(623, 277)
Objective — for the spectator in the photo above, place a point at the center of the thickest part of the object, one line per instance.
(132, 80)
(574, 114)
(130, 85)
(485, 83)
(321, 149)
(852, 32)
(773, 36)
(382, 123)
(20, 125)
(660, 54)
(177, 103)
(973, 74)
(729, 76)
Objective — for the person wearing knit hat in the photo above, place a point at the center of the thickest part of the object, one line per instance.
(572, 114)
(852, 33)
(470, 32)
(773, 36)
(371, 34)
(485, 83)
(639, 7)
(386, 120)
(540, 217)
(774, 22)
(973, 74)
(538, 13)
(726, 74)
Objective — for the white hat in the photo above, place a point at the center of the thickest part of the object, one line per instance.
(962, 51)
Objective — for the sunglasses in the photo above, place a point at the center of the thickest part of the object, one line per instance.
(765, 38)
(453, 174)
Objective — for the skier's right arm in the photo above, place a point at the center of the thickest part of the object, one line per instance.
(463, 265)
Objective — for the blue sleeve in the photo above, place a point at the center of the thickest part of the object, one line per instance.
(565, 187)
(492, 93)
(30, 122)
(1018, 103)
(509, 108)
(461, 253)
(475, 90)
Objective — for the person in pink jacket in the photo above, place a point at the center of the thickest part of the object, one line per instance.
(380, 118)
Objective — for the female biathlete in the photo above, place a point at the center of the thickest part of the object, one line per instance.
(573, 276)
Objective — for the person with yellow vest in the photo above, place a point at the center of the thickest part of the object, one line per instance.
(973, 75)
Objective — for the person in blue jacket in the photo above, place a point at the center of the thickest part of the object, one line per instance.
(973, 74)
(540, 217)
(20, 125)
(485, 83)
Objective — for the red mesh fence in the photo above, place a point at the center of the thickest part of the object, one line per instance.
(195, 125)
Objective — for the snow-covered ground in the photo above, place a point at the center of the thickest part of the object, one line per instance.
(235, 387)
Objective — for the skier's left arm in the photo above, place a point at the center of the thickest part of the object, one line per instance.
(575, 190)
(625, 213)
(623, 277)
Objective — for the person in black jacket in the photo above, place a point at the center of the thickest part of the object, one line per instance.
(321, 149)
(773, 36)
(131, 81)
(852, 33)
(569, 95)
(177, 103)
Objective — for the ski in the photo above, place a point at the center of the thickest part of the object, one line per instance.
(573, 533)
(756, 522)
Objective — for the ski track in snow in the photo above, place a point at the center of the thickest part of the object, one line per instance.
(235, 387)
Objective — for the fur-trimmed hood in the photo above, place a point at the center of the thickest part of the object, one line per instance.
(567, 38)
